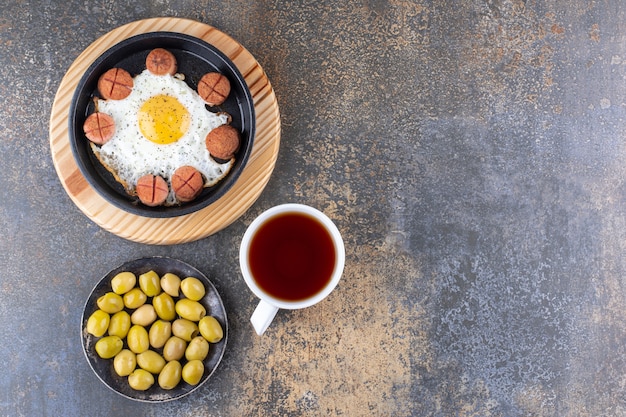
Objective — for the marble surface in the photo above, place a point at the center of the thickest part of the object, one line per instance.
(471, 152)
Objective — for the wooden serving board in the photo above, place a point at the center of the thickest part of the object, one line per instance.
(202, 223)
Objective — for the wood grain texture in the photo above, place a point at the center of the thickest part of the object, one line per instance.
(190, 227)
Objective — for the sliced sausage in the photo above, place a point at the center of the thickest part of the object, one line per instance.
(152, 190)
(187, 183)
(222, 142)
(161, 61)
(99, 128)
(115, 84)
(214, 88)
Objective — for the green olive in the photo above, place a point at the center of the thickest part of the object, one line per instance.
(110, 303)
(190, 310)
(159, 333)
(193, 371)
(185, 329)
(144, 315)
(170, 283)
(179, 328)
(124, 362)
(123, 282)
(193, 288)
(174, 348)
(109, 346)
(135, 298)
(170, 375)
(98, 323)
(140, 379)
(210, 329)
(150, 361)
(137, 339)
(164, 306)
(198, 348)
(120, 324)
(150, 283)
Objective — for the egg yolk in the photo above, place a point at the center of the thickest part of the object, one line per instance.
(163, 119)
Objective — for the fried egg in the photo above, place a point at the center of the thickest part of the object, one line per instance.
(159, 127)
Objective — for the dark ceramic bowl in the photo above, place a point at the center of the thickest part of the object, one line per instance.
(103, 368)
(195, 58)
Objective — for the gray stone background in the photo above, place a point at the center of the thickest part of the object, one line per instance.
(471, 152)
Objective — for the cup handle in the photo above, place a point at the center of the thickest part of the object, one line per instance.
(263, 316)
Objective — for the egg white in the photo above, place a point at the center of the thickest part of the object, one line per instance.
(129, 155)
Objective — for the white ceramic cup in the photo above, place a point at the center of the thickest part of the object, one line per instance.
(269, 305)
